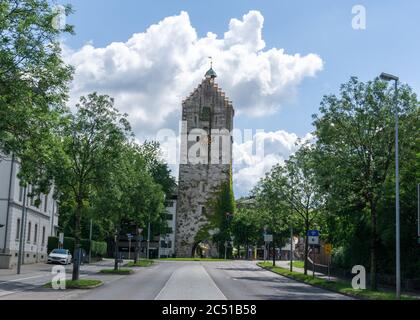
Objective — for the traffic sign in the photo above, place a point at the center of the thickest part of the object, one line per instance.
(268, 237)
(313, 240)
(129, 236)
(313, 233)
(328, 248)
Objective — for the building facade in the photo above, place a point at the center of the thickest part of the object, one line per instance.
(167, 240)
(40, 219)
(205, 162)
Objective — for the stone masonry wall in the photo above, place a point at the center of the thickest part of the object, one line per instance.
(206, 108)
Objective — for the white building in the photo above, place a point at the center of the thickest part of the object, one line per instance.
(39, 223)
(167, 241)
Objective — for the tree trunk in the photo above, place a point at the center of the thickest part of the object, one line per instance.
(77, 235)
(373, 248)
(306, 248)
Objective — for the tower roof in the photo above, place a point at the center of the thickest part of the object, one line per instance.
(211, 73)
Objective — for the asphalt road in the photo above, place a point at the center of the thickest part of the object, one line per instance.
(234, 280)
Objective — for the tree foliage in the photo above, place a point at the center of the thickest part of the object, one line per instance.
(33, 85)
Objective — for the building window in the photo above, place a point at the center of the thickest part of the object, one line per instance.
(45, 203)
(29, 232)
(36, 233)
(163, 244)
(169, 204)
(197, 139)
(17, 229)
(43, 235)
(203, 210)
(169, 217)
(20, 194)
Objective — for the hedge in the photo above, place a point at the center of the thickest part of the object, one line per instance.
(99, 248)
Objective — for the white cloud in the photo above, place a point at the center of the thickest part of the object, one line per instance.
(249, 167)
(150, 73)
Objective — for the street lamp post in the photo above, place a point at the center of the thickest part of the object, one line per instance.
(148, 238)
(389, 77)
(21, 235)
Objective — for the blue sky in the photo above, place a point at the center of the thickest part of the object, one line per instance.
(390, 42)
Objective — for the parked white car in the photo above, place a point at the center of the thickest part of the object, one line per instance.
(62, 256)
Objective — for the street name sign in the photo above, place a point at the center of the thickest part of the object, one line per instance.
(268, 237)
(313, 233)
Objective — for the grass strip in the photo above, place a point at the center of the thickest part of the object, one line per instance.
(140, 263)
(340, 286)
(78, 284)
(119, 271)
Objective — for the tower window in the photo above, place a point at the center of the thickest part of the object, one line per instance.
(17, 229)
(205, 114)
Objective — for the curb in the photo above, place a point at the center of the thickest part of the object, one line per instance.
(88, 288)
(117, 273)
(316, 286)
(79, 288)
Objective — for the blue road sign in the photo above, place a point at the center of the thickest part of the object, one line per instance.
(313, 233)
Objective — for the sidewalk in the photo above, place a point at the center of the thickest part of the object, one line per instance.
(29, 283)
(286, 265)
(35, 269)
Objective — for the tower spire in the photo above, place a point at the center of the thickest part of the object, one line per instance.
(210, 73)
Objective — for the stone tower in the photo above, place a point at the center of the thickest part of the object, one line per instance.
(206, 160)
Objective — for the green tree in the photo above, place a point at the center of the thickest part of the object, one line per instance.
(246, 228)
(289, 193)
(355, 150)
(130, 194)
(270, 209)
(33, 85)
(91, 141)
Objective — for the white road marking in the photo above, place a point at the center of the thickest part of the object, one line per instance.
(187, 282)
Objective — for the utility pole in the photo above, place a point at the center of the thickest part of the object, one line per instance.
(291, 248)
(418, 211)
(22, 230)
(313, 261)
(90, 242)
(148, 238)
